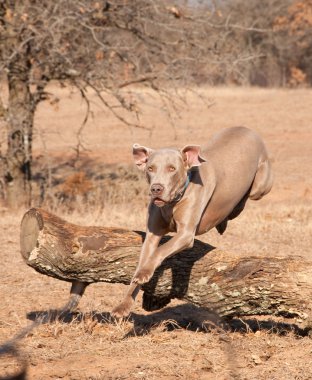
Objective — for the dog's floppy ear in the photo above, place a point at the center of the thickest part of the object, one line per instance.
(140, 155)
(191, 155)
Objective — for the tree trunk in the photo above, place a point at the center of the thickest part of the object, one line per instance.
(16, 165)
(20, 128)
(231, 285)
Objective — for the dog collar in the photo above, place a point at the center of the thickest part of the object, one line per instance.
(181, 193)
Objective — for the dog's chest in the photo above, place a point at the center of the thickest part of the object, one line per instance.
(167, 214)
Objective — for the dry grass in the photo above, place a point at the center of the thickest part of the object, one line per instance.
(180, 341)
(168, 344)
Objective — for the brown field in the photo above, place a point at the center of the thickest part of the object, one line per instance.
(173, 342)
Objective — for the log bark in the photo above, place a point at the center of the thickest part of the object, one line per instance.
(231, 285)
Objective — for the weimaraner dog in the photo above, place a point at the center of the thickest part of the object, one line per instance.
(194, 190)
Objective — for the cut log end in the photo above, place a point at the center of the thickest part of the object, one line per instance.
(31, 225)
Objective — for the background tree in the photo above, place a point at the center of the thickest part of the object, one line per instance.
(268, 42)
(295, 27)
(99, 44)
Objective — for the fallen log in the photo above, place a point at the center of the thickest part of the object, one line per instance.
(231, 285)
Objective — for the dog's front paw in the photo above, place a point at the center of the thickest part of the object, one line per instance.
(123, 309)
(143, 276)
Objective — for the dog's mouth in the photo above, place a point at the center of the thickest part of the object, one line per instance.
(159, 202)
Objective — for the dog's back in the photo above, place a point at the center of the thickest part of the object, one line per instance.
(241, 168)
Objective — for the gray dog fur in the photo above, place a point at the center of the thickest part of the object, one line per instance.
(193, 190)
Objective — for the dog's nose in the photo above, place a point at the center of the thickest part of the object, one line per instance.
(157, 189)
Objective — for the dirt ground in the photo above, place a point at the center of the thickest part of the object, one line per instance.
(173, 342)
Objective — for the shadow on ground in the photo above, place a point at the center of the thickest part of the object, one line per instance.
(185, 316)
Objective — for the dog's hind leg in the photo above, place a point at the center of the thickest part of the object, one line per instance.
(262, 182)
(221, 227)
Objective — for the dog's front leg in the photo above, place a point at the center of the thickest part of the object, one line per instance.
(182, 240)
(148, 249)
(123, 309)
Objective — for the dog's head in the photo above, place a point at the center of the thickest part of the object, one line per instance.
(166, 169)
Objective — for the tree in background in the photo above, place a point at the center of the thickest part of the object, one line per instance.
(102, 45)
(269, 42)
(296, 28)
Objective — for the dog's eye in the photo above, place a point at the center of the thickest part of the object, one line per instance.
(150, 168)
(172, 168)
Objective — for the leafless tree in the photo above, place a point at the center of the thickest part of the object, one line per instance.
(268, 42)
(105, 45)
